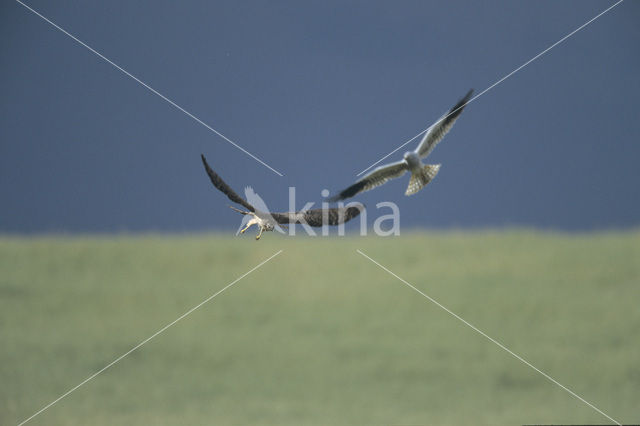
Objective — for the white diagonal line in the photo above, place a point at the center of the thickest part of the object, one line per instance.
(518, 357)
(148, 338)
(151, 89)
(501, 80)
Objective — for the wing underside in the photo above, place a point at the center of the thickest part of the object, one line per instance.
(377, 177)
(442, 127)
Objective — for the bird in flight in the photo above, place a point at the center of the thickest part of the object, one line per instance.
(267, 221)
(421, 174)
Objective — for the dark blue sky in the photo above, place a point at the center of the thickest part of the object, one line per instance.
(319, 90)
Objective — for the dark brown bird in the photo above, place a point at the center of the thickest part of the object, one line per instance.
(267, 221)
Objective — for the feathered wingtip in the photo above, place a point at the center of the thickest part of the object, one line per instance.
(348, 192)
(455, 112)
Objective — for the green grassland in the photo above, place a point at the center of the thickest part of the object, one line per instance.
(320, 334)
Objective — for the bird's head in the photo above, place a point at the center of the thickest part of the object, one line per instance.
(412, 158)
(268, 225)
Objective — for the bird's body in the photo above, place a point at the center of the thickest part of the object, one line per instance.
(267, 221)
(421, 174)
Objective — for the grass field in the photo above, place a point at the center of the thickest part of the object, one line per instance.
(320, 334)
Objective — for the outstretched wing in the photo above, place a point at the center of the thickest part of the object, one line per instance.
(377, 177)
(223, 187)
(442, 126)
(317, 217)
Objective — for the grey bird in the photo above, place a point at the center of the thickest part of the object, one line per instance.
(421, 174)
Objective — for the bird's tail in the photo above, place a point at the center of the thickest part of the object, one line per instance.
(420, 179)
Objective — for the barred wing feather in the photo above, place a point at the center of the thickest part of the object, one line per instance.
(317, 217)
(442, 127)
(377, 177)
